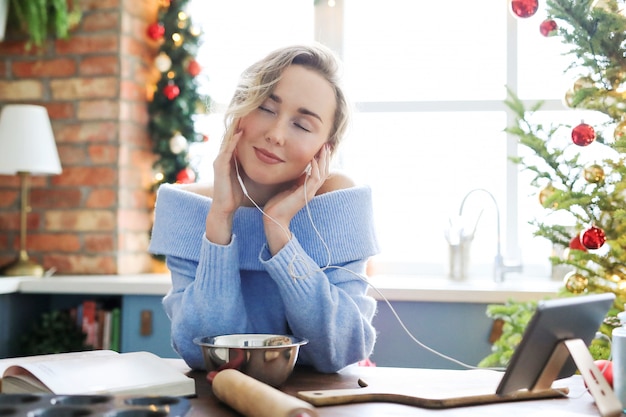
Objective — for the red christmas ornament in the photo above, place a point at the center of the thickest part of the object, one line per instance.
(583, 134)
(576, 244)
(193, 68)
(593, 238)
(156, 31)
(548, 27)
(186, 176)
(171, 91)
(606, 367)
(524, 8)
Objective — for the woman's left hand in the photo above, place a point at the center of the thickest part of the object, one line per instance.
(281, 208)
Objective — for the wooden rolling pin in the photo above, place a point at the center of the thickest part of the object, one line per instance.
(253, 398)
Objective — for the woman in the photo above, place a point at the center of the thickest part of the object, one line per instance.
(252, 252)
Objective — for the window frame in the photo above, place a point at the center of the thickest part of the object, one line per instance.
(327, 16)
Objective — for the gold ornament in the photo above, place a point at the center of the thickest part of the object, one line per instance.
(546, 193)
(583, 82)
(594, 173)
(620, 130)
(575, 282)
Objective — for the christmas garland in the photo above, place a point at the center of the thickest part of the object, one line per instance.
(175, 99)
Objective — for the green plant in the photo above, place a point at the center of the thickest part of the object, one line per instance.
(515, 316)
(41, 18)
(56, 332)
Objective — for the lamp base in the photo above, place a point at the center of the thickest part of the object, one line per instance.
(23, 267)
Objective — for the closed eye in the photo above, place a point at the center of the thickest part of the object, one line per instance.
(266, 109)
(302, 127)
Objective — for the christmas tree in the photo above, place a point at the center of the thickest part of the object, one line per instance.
(176, 99)
(592, 195)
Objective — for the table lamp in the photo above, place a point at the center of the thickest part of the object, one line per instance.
(27, 148)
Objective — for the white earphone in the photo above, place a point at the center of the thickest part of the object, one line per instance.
(243, 187)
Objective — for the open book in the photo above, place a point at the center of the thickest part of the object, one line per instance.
(94, 372)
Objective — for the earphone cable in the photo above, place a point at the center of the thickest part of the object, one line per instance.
(310, 271)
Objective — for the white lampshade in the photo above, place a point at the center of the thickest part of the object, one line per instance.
(26, 141)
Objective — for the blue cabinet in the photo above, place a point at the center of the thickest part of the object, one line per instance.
(458, 330)
(145, 326)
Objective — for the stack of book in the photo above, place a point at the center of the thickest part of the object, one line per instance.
(100, 324)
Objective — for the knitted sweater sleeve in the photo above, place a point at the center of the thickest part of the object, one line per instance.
(205, 292)
(329, 306)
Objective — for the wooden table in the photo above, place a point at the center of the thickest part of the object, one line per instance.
(579, 403)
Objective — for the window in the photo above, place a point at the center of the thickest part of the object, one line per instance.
(429, 89)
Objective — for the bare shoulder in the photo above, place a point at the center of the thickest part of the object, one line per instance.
(204, 189)
(336, 181)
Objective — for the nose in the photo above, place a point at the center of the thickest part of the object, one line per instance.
(276, 133)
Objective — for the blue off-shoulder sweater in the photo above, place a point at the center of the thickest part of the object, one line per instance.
(241, 288)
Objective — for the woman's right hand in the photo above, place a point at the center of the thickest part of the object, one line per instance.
(227, 193)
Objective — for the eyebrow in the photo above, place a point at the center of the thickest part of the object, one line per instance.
(301, 110)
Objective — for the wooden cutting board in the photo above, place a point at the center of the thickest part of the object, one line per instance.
(428, 388)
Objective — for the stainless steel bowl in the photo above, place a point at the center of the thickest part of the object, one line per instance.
(270, 358)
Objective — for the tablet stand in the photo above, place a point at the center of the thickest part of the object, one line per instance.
(606, 401)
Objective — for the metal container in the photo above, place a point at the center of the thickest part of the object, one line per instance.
(269, 358)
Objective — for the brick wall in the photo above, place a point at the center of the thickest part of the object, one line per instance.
(95, 217)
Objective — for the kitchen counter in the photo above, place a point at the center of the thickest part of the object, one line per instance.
(441, 289)
(10, 285)
(145, 284)
(390, 287)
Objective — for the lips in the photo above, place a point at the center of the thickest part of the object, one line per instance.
(267, 157)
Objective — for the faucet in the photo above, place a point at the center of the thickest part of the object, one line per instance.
(500, 268)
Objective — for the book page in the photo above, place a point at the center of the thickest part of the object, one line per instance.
(126, 373)
(21, 383)
(7, 362)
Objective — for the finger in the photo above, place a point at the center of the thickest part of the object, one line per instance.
(229, 142)
(228, 149)
(324, 161)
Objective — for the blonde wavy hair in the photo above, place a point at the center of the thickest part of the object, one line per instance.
(257, 83)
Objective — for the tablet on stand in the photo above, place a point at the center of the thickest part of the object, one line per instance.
(555, 344)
